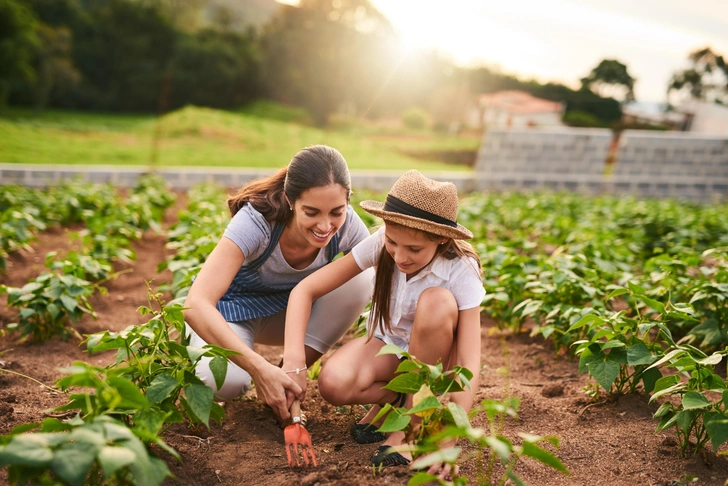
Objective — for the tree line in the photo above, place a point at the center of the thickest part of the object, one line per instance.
(330, 57)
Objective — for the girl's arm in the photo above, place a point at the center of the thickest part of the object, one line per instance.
(468, 354)
(202, 315)
(318, 284)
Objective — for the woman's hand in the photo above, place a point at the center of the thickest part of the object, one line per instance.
(278, 389)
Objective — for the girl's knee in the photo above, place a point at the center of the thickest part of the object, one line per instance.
(333, 383)
(437, 304)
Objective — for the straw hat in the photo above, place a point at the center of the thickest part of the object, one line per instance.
(421, 203)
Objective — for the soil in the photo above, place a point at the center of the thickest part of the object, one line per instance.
(608, 442)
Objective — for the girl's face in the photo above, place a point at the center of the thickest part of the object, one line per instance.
(410, 249)
(319, 213)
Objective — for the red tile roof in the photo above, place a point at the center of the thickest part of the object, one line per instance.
(519, 102)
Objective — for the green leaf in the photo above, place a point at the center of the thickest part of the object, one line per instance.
(532, 450)
(395, 422)
(711, 360)
(459, 416)
(27, 450)
(587, 319)
(617, 292)
(692, 400)
(199, 399)
(219, 366)
(605, 372)
(638, 354)
(500, 446)
(69, 303)
(649, 379)
(428, 403)
(406, 383)
(392, 349)
(717, 426)
(684, 419)
(658, 306)
(636, 289)
(448, 456)
(162, 386)
(72, 461)
(112, 459)
(406, 366)
(195, 353)
(131, 396)
(421, 478)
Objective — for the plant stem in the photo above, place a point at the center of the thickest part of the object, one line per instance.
(54, 390)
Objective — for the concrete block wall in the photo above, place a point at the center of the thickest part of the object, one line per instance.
(563, 151)
(669, 154)
(648, 164)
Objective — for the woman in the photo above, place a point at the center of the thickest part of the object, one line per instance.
(283, 228)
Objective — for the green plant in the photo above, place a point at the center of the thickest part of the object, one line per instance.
(156, 357)
(694, 381)
(48, 303)
(429, 423)
(313, 371)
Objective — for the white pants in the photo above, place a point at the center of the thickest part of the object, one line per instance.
(331, 316)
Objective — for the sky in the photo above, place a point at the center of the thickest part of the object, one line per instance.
(563, 40)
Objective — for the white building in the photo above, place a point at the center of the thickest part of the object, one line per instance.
(517, 109)
(707, 118)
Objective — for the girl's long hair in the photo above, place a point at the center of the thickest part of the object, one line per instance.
(381, 298)
(314, 166)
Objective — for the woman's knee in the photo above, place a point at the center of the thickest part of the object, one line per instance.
(237, 381)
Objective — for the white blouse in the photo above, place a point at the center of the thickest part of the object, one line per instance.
(460, 276)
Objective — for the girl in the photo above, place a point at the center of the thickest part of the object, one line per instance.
(283, 228)
(426, 300)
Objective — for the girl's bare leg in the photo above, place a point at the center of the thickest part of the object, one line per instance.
(433, 337)
(354, 374)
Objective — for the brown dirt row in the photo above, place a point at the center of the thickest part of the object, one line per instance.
(608, 443)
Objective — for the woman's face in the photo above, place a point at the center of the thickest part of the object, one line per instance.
(410, 249)
(319, 213)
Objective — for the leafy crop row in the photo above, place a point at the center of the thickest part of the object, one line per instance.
(636, 289)
(58, 297)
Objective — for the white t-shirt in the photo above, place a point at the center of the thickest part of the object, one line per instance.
(460, 276)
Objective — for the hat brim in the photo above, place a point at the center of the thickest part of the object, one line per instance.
(377, 209)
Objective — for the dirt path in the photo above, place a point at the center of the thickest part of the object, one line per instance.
(611, 443)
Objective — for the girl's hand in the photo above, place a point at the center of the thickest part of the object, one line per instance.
(444, 471)
(301, 378)
(278, 389)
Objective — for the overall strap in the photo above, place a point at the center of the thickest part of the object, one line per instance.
(275, 235)
(333, 247)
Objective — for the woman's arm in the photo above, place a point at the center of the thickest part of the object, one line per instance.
(298, 312)
(468, 354)
(202, 315)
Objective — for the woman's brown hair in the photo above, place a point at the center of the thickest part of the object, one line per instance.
(380, 311)
(314, 166)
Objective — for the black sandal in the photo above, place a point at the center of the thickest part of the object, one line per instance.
(387, 456)
(366, 434)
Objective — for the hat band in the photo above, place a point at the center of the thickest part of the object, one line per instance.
(394, 205)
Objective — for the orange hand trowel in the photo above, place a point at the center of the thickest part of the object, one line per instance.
(295, 435)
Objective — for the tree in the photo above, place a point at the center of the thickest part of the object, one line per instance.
(319, 54)
(217, 69)
(610, 79)
(706, 79)
(54, 65)
(17, 42)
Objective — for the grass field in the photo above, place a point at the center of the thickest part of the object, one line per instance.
(196, 136)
